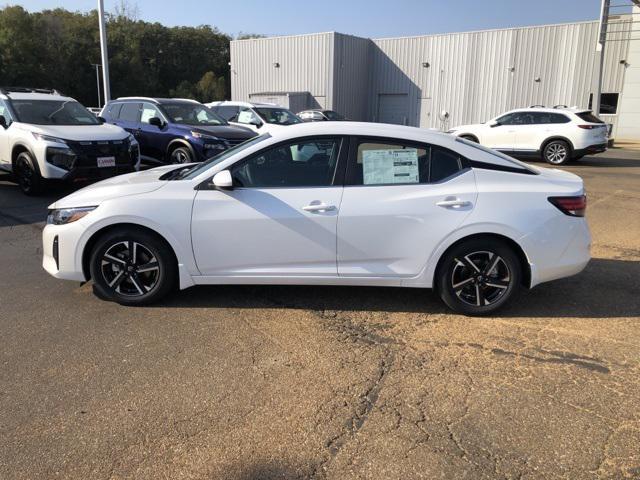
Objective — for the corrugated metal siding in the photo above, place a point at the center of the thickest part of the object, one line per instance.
(305, 65)
(477, 75)
(351, 79)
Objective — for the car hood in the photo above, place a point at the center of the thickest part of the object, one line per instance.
(228, 132)
(94, 133)
(120, 186)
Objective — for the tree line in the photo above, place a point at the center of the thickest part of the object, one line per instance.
(58, 49)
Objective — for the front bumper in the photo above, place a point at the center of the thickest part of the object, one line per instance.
(59, 257)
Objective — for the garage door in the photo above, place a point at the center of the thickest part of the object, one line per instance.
(393, 108)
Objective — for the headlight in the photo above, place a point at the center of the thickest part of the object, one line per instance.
(204, 136)
(48, 138)
(61, 216)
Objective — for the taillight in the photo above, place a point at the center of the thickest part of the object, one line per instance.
(572, 206)
(590, 127)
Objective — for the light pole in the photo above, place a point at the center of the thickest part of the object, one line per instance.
(602, 40)
(103, 51)
(97, 65)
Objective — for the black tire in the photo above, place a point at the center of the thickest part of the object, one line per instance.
(180, 155)
(28, 175)
(471, 138)
(142, 280)
(478, 276)
(557, 152)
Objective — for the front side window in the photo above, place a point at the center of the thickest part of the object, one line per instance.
(278, 116)
(228, 112)
(149, 111)
(192, 114)
(248, 117)
(382, 163)
(331, 115)
(53, 112)
(304, 163)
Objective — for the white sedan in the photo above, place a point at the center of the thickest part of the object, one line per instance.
(331, 203)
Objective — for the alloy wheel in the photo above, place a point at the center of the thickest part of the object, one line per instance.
(180, 156)
(130, 268)
(480, 278)
(24, 174)
(556, 153)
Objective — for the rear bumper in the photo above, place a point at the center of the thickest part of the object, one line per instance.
(591, 149)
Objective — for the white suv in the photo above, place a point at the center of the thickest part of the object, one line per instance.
(44, 135)
(259, 117)
(556, 135)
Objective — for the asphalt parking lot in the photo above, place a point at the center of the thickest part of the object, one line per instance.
(325, 382)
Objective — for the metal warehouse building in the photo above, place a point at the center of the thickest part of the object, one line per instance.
(472, 76)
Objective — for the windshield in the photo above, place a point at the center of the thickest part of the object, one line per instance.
(201, 167)
(192, 114)
(53, 112)
(278, 116)
(331, 115)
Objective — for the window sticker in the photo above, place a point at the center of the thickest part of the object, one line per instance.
(390, 166)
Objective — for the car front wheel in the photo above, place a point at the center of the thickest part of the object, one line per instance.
(478, 276)
(557, 152)
(181, 155)
(132, 267)
(27, 175)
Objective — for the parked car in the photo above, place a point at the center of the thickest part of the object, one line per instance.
(329, 203)
(172, 130)
(47, 136)
(556, 135)
(320, 116)
(260, 117)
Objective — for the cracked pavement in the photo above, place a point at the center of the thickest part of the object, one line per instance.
(323, 382)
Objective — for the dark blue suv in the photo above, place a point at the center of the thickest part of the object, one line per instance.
(174, 130)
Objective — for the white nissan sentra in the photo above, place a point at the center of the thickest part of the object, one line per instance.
(332, 203)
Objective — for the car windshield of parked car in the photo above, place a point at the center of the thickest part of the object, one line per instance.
(53, 112)
(278, 116)
(201, 167)
(192, 114)
(331, 115)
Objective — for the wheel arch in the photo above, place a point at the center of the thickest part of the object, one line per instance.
(517, 248)
(95, 236)
(179, 142)
(556, 137)
(19, 148)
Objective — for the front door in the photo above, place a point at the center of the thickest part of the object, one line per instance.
(5, 151)
(400, 201)
(280, 217)
(501, 135)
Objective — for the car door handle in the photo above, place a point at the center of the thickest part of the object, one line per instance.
(318, 207)
(454, 203)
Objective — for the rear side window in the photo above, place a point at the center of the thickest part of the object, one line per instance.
(130, 112)
(589, 117)
(399, 163)
(545, 118)
(112, 111)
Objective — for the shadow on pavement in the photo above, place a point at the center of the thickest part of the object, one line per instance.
(607, 288)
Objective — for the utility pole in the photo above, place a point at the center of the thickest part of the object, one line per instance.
(97, 65)
(103, 51)
(602, 40)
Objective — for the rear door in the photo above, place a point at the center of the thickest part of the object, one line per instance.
(539, 126)
(400, 200)
(129, 118)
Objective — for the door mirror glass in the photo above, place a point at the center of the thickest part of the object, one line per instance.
(3, 122)
(222, 179)
(156, 121)
(494, 123)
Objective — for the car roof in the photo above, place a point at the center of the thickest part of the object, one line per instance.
(234, 103)
(34, 96)
(157, 100)
(366, 129)
(551, 110)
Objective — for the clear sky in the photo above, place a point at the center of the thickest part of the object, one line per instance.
(368, 18)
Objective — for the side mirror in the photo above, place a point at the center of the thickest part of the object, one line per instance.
(222, 180)
(494, 124)
(3, 122)
(256, 123)
(156, 122)
(101, 119)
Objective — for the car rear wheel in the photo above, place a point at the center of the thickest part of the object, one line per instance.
(557, 152)
(132, 267)
(27, 174)
(181, 155)
(478, 276)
